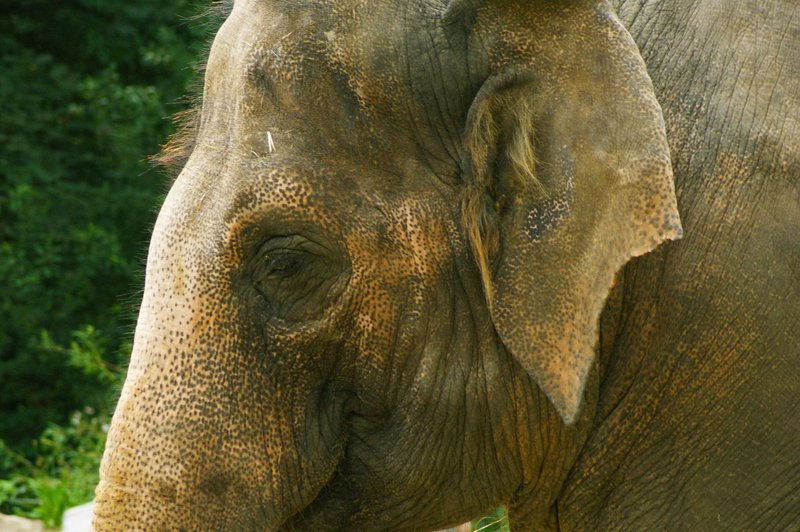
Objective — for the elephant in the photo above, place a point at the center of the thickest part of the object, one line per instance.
(426, 258)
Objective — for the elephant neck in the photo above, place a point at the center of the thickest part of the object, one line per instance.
(547, 450)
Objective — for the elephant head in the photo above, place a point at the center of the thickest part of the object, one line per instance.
(378, 275)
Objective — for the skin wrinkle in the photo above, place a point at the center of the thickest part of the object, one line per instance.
(411, 77)
(444, 109)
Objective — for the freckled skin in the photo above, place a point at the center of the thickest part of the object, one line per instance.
(317, 350)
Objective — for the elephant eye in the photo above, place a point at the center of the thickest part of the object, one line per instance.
(276, 269)
(294, 276)
(284, 264)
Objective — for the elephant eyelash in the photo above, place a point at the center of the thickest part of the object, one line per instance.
(283, 265)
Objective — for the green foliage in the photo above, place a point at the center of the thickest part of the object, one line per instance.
(63, 474)
(64, 469)
(84, 93)
(497, 521)
(54, 499)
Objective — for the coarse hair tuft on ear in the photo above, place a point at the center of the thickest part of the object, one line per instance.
(499, 139)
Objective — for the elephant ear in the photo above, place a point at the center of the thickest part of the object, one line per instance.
(568, 177)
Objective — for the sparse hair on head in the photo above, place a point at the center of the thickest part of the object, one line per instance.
(176, 150)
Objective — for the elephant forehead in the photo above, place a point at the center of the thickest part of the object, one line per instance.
(275, 189)
(318, 75)
(283, 49)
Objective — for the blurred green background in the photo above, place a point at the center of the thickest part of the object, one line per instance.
(86, 91)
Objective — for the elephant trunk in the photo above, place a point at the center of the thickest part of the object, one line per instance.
(182, 452)
(206, 434)
(175, 464)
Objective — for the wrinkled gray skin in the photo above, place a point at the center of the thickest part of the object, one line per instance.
(698, 426)
(380, 295)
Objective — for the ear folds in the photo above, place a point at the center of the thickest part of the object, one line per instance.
(568, 177)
